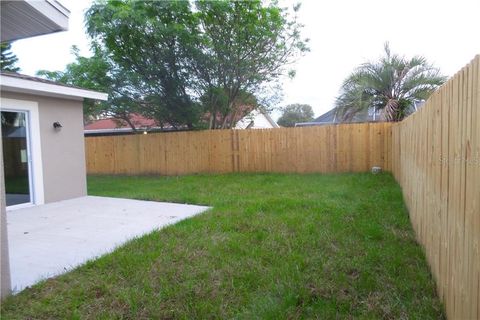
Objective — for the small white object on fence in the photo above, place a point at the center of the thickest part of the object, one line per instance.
(376, 170)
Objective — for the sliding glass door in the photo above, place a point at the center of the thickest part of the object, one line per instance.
(16, 155)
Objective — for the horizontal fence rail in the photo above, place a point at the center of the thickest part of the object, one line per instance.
(334, 148)
(436, 160)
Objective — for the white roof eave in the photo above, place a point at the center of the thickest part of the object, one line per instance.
(21, 19)
(12, 84)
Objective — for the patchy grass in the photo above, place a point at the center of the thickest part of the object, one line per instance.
(273, 247)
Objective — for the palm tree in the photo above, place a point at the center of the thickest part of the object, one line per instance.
(393, 84)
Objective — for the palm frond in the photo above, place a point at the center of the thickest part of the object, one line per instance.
(392, 80)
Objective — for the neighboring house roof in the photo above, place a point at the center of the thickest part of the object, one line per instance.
(109, 126)
(327, 117)
(112, 123)
(15, 82)
(256, 119)
(330, 117)
(370, 115)
(23, 18)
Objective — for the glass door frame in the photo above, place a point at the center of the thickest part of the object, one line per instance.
(34, 151)
(31, 191)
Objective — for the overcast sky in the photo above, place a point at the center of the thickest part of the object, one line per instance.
(343, 34)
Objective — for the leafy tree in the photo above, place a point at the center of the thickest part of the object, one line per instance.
(100, 73)
(246, 45)
(7, 59)
(157, 41)
(221, 113)
(211, 59)
(295, 113)
(392, 84)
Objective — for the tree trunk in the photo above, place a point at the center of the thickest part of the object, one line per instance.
(390, 112)
(210, 123)
(225, 120)
(126, 118)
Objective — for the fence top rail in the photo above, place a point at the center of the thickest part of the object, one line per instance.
(219, 131)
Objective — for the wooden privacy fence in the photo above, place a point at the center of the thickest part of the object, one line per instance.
(436, 160)
(335, 148)
(434, 155)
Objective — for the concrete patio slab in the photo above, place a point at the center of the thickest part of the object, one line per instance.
(50, 239)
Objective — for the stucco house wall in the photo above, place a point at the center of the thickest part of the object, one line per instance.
(62, 156)
(63, 153)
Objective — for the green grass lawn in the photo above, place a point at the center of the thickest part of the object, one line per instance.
(18, 185)
(273, 247)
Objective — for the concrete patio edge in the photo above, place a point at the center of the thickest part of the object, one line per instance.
(51, 239)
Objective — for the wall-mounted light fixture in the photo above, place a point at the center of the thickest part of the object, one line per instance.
(57, 126)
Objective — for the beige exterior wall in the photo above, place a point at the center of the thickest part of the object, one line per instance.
(63, 152)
